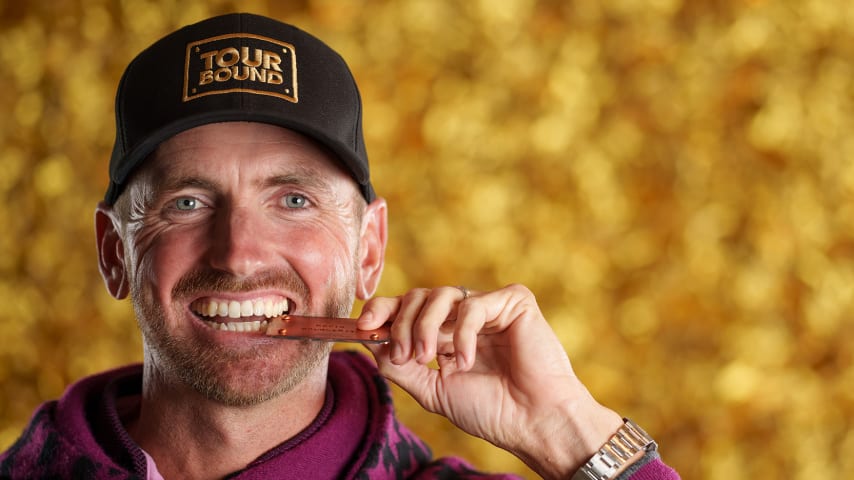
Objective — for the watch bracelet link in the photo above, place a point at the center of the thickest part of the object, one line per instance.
(617, 451)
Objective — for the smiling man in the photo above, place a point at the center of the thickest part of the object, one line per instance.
(240, 192)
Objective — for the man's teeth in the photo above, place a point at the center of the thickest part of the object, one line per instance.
(247, 308)
(231, 309)
(255, 326)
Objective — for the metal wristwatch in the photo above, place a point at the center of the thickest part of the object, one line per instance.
(617, 451)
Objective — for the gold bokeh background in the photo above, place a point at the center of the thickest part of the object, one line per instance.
(672, 178)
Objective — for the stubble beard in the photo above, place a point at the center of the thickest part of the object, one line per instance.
(239, 377)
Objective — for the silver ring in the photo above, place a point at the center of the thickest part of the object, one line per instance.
(465, 291)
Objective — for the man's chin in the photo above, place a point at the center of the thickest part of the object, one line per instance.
(247, 378)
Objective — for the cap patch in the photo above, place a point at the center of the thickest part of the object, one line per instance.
(240, 63)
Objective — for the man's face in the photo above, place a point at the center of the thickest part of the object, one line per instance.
(229, 224)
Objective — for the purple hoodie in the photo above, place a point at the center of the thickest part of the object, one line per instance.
(356, 435)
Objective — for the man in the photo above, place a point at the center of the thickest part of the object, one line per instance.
(239, 192)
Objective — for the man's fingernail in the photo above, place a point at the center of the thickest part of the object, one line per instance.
(365, 319)
(397, 352)
(419, 351)
(462, 360)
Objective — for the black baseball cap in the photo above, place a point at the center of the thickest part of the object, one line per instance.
(237, 67)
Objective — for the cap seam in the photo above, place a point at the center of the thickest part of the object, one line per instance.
(122, 127)
(358, 123)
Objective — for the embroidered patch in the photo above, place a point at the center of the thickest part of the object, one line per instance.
(240, 63)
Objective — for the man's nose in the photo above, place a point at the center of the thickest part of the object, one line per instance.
(239, 242)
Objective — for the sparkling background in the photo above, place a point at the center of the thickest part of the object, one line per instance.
(671, 178)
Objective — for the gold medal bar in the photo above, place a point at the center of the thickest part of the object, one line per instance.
(324, 329)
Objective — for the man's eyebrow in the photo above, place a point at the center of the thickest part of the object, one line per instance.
(188, 182)
(304, 177)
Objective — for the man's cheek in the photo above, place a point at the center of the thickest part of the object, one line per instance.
(156, 269)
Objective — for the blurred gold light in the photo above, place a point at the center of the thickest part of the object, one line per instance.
(672, 179)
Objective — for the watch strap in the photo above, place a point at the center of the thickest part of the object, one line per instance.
(616, 453)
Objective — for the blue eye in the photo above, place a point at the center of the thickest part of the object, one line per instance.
(295, 201)
(186, 203)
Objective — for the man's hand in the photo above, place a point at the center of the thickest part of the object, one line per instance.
(502, 373)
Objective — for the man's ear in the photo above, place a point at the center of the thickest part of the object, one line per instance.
(111, 253)
(372, 243)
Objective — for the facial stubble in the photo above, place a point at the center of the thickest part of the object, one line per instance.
(234, 376)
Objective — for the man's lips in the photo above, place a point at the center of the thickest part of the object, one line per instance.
(226, 314)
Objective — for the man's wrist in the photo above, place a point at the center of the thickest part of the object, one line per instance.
(559, 444)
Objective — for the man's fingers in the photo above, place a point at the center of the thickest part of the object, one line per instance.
(441, 321)
(401, 329)
(377, 312)
(438, 308)
(416, 379)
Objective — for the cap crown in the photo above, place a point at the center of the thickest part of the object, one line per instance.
(237, 67)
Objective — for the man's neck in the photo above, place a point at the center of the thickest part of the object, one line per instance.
(191, 437)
